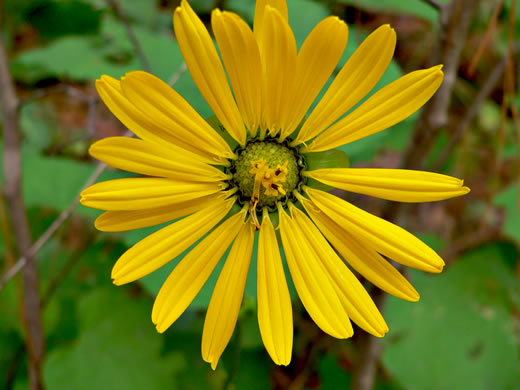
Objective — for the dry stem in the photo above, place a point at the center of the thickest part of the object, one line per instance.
(34, 338)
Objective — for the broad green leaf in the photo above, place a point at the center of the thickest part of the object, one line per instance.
(39, 124)
(304, 15)
(509, 199)
(55, 182)
(111, 53)
(58, 18)
(197, 374)
(417, 8)
(253, 371)
(117, 348)
(140, 12)
(203, 6)
(332, 375)
(460, 335)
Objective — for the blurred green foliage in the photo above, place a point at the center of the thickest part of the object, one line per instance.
(461, 335)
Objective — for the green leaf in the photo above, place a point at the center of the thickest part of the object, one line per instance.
(417, 8)
(332, 375)
(117, 348)
(9, 309)
(203, 6)
(510, 201)
(111, 53)
(254, 371)
(55, 182)
(460, 335)
(39, 124)
(55, 60)
(304, 15)
(59, 18)
(197, 374)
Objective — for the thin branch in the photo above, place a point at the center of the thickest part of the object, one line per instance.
(114, 4)
(455, 21)
(19, 221)
(485, 40)
(434, 3)
(471, 113)
(63, 273)
(370, 350)
(24, 260)
(177, 75)
(67, 89)
(472, 240)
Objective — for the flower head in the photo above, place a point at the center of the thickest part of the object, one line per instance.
(225, 193)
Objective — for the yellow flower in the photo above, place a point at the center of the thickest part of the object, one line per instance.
(226, 192)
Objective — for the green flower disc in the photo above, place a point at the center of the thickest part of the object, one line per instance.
(274, 154)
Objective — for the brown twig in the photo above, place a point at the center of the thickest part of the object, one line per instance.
(67, 89)
(63, 273)
(114, 4)
(485, 41)
(455, 21)
(369, 351)
(434, 3)
(472, 240)
(177, 75)
(34, 338)
(24, 260)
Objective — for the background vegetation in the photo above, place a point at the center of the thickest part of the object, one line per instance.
(463, 334)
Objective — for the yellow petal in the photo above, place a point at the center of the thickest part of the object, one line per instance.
(280, 5)
(188, 277)
(353, 296)
(278, 52)
(401, 185)
(206, 69)
(388, 106)
(144, 193)
(363, 259)
(312, 282)
(152, 159)
(357, 77)
(241, 58)
(140, 123)
(118, 221)
(388, 239)
(167, 243)
(224, 306)
(274, 302)
(171, 111)
(317, 59)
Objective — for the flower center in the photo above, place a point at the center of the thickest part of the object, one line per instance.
(265, 172)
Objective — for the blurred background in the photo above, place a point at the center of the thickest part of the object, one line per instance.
(63, 325)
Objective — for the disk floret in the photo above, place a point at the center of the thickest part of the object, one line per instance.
(265, 172)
